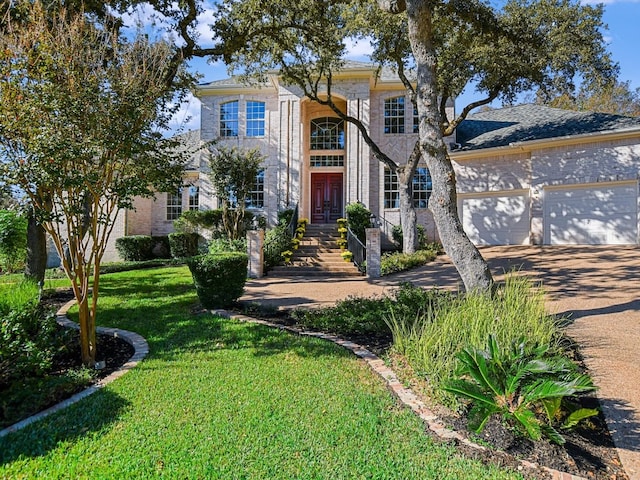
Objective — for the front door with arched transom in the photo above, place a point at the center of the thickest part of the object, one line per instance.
(326, 197)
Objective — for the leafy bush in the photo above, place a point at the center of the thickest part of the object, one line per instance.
(161, 247)
(183, 245)
(26, 333)
(222, 245)
(194, 221)
(13, 240)
(276, 241)
(359, 218)
(219, 279)
(394, 262)
(398, 237)
(518, 383)
(135, 248)
(362, 315)
(285, 216)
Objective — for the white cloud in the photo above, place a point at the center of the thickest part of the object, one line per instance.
(358, 49)
(187, 117)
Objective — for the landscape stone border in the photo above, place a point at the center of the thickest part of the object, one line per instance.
(141, 349)
(406, 396)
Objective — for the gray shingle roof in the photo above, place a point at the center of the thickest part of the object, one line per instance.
(499, 128)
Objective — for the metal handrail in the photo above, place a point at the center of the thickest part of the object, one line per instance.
(358, 250)
(293, 223)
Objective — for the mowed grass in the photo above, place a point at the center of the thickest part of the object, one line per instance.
(221, 399)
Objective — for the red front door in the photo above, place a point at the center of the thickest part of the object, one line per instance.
(326, 197)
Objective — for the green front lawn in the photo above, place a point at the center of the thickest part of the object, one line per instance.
(220, 399)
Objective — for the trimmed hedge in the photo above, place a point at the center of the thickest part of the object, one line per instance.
(219, 278)
(161, 247)
(135, 248)
(183, 244)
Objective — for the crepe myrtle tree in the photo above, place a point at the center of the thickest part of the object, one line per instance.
(438, 48)
(81, 111)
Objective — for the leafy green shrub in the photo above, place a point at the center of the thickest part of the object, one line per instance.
(161, 247)
(13, 240)
(194, 221)
(26, 333)
(518, 384)
(431, 338)
(362, 315)
(359, 218)
(398, 237)
(183, 245)
(135, 248)
(219, 279)
(276, 241)
(285, 216)
(222, 245)
(28, 396)
(394, 262)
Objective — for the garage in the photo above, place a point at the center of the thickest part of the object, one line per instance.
(595, 214)
(500, 218)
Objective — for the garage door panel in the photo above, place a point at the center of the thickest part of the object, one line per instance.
(497, 219)
(591, 215)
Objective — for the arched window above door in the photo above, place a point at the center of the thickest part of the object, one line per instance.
(327, 133)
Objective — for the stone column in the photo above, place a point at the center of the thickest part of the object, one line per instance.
(255, 250)
(373, 252)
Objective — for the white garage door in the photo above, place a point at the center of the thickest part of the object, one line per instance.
(496, 219)
(597, 214)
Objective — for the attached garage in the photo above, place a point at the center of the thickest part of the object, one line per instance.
(500, 218)
(594, 214)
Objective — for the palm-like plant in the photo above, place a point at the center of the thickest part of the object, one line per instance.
(524, 384)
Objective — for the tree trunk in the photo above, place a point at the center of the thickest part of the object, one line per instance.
(473, 269)
(36, 263)
(408, 217)
(87, 332)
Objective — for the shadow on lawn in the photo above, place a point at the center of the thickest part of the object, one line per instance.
(90, 416)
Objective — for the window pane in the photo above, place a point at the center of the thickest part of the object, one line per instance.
(421, 187)
(255, 119)
(174, 205)
(416, 120)
(256, 196)
(194, 198)
(326, 161)
(229, 119)
(391, 193)
(327, 134)
(394, 115)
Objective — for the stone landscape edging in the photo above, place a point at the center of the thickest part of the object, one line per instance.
(141, 349)
(406, 396)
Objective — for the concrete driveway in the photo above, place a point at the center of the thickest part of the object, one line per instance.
(598, 288)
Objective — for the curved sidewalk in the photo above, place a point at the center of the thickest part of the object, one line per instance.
(598, 288)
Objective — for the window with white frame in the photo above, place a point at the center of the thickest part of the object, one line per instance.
(391, 189)
(255, 119)
(229, 119)
(194, 197)
(421, 187)
(394, 115)
(174, 205)
(256, 196)
(327, 134)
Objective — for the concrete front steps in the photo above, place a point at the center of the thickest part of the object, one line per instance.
(317, 255)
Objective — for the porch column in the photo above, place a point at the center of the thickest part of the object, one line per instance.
(373, 252)
(255, 251)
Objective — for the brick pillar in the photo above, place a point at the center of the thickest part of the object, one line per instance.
(255, 250)
(373, 252)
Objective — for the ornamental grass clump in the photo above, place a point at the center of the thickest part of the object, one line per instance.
(431, 338)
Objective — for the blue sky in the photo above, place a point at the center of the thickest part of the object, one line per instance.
(623, 39)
